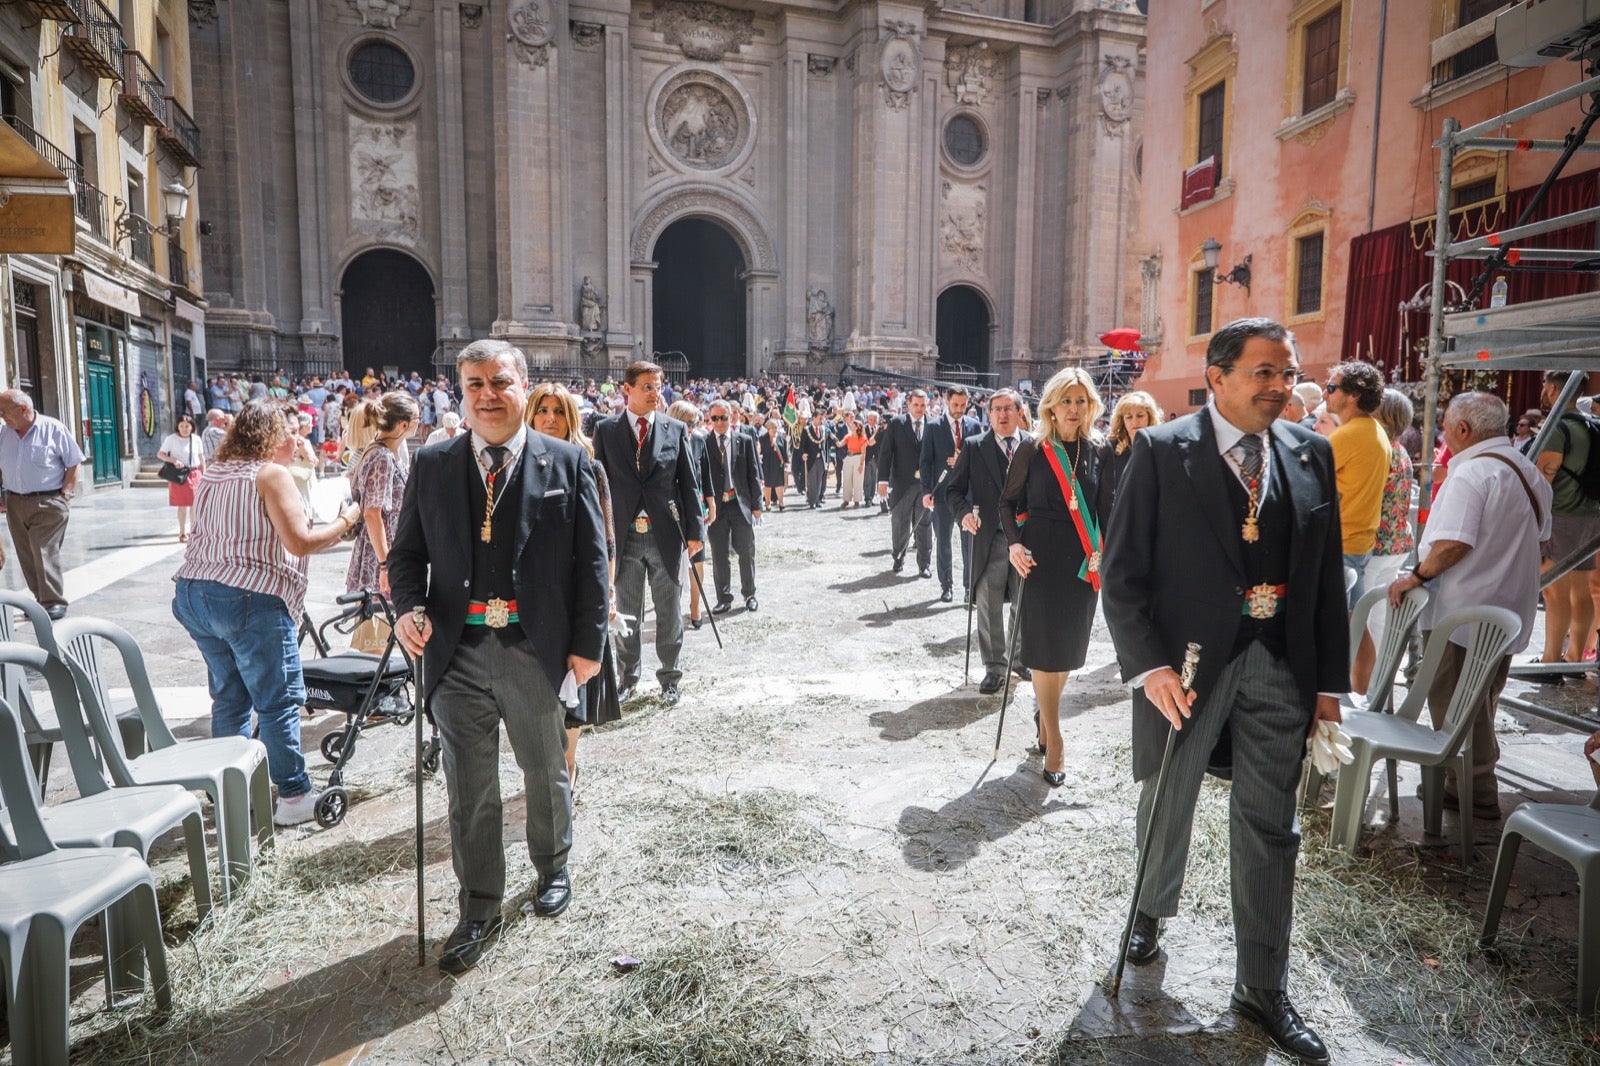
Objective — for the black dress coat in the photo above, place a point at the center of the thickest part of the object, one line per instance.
(938, 445)
(900, 461)
(774, 458)
(976, 484)
(1174, 568)
(560, 570)
(661, 482)
(746, 483)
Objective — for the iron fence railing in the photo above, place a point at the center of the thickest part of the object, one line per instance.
(96, 40)
(50, 153)
(180, 135)
(144, 94)
(92, 208)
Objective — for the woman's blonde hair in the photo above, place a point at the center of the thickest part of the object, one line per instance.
(1130, 401)
(1055, 390)
(569, 407)
(684, 412)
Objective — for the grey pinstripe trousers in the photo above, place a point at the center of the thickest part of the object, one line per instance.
(1257, 695)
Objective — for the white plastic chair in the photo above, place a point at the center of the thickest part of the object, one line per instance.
(1572, 832)
(1374, 735)
(231, 770)
(46, 894)
(104, 816)
(39, 725)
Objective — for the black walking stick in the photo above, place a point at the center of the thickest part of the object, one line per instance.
(1011, 662)
(419, 618)
(694, 575)
(1191, 660)
(972, 597)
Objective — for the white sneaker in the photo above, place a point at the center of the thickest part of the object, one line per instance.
(297, 809)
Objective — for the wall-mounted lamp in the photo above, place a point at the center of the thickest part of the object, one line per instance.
(1239, 275)
(174, 199)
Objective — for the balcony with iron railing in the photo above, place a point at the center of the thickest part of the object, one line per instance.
(92, 208)
(144, 94)
(177, 263)
(180, 136)
(47, 151)
(57, 10)
(140, 247)
(95, 40)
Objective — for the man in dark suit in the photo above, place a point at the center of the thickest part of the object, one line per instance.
(656, 508)
(500, 538)
(813, 452)
(972, 493)
(900, 478)
(940, 445)
(1226, 534)
(734, 471)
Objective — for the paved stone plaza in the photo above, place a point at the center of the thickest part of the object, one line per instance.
(816, 862)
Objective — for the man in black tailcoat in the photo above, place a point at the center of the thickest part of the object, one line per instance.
(1226, 534)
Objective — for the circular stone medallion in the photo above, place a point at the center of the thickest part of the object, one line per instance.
(701, 120)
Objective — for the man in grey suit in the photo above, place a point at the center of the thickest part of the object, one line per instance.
(500, 541)
(1226, 534)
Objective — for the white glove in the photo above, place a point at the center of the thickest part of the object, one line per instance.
(619, 624)
(1329, 747)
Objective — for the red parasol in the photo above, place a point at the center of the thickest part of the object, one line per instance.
(1123, 340)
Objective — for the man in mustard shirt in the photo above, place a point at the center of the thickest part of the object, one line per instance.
(1360, 459)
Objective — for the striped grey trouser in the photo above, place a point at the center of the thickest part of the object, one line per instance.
(1257, 696)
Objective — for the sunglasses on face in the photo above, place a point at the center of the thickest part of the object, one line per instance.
(1334, 386)
(719, 418)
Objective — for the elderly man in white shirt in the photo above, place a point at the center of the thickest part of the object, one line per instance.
(39, 462)
(1480, 547)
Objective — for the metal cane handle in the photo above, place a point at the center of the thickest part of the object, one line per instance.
(1191, 663)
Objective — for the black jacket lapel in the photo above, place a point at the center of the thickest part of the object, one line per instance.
(465, 464)
(1300, 479)
(532, 476)
(994, 456)
(1205, 470)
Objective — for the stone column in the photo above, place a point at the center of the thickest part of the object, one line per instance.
(531, 199)
(305, 54)
(797, 148)
(1017, 328)
(642, 301)
(452, 177)
(623, 326)
(764, 316)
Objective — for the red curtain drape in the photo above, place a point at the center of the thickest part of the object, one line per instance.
(1389, 266)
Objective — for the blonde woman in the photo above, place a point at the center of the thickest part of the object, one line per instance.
(553, 411)
(1059, 482)
(379, 484)
(1133, 412)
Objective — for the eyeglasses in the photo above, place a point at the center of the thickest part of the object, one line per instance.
(718, 418)
(1263, 376)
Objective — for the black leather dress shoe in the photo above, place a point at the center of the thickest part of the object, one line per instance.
(669, 695)
(990, 684)
(899, 564)
(1023, 672)
(551, 897)
(946, 596)
(722, 607)
(56, 611)
(1271, 1009)
(1145, 943)
(465, 945)
(751, 605)
(925, 572)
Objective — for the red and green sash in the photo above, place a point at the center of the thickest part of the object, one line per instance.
(1082, 518)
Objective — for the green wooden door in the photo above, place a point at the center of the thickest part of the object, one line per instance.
(103, 428)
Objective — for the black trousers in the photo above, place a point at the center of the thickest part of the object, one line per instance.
(732, 529)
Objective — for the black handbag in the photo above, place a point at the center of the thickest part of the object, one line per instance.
(173, 473)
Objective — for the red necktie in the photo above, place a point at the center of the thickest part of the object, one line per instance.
(644, 430)
(955, 426)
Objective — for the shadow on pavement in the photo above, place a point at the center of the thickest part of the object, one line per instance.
(945, 840)
(955, 710)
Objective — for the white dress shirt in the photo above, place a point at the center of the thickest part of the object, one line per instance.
(514, 446)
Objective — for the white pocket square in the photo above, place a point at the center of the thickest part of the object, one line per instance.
(555, 492)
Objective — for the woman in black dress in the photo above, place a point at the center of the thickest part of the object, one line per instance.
(774, 457)
(1134, 411)
(1057, 493)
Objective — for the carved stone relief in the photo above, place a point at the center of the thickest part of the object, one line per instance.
(471, 16)
(702, 30)
(899, 62)
(962, 224)
(1043, 98)
(701, 120)
(531, 31)
(748, 232)
(202, 13)
(653, 166)
(968, 69)
(1150, 325)
(1116, 94)
(381, 14)
(588, 35)
(820, 66)
(383, 179)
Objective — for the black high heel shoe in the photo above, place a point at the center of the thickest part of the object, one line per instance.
(1055, 778)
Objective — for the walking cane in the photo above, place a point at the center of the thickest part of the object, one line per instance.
(1191, 660)
(419, 618)
(972, 596)
(694, 575)
(1011, 661)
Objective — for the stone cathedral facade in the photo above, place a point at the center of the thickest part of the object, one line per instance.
(783, 185)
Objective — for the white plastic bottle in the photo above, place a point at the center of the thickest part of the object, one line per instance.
(1497, 294)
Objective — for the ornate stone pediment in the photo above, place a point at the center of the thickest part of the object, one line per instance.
(704, 31)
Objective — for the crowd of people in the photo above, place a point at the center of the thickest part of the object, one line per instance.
(518, 549)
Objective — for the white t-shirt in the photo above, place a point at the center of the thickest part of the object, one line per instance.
(186, 450)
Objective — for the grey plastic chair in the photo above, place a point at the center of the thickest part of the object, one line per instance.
(46, 894)
(104, 816)
(231, 770)
(1374, 735)
(1572, 832)
(1398, 624)
(39, 724)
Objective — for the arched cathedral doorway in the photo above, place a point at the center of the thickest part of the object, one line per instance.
(961, 330)
(387, 314)
(699, 298)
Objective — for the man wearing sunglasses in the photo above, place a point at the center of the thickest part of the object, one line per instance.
(1361, 458)
(734, 471)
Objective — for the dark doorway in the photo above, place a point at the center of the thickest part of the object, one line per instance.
(962, 330)
(699, 298)
(387, 314)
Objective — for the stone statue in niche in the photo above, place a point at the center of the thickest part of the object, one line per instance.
(699, 125)
(819, 321)
(591, 306)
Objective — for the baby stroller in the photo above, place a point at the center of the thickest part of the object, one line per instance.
(367, 689)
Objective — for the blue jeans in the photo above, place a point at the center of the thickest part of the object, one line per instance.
(252, 658)
(1358, 563)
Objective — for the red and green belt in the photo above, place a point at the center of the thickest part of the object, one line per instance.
(496, 614)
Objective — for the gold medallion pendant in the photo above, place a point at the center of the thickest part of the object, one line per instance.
(1072, 502)
(487, 532)
(1251, 531)
(497, 614)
